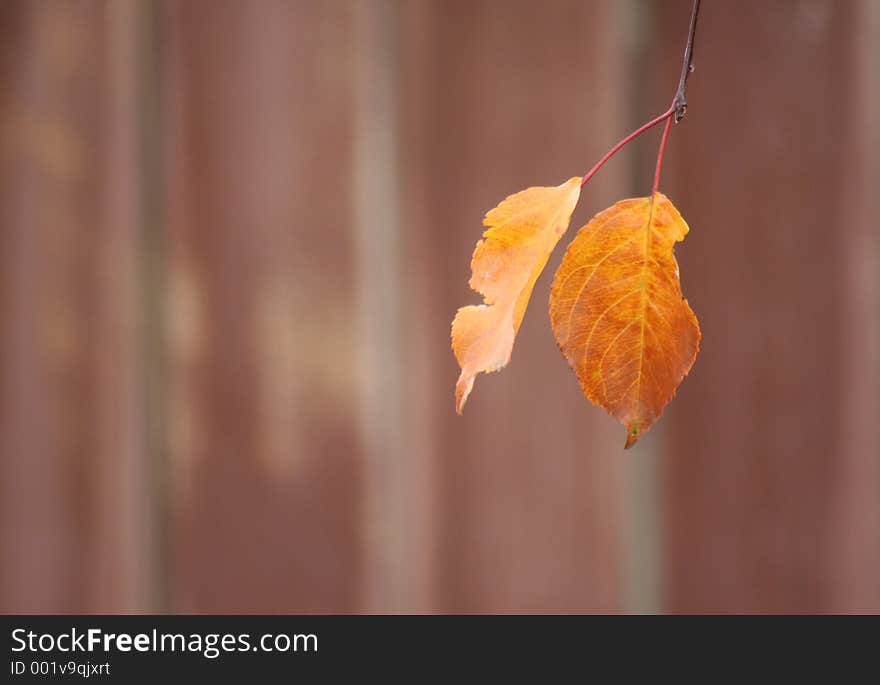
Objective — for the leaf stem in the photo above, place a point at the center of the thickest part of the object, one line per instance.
(639, 131)
(660, 155)
(676, 110)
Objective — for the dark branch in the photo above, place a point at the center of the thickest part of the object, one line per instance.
(675, 112)
(679, 102)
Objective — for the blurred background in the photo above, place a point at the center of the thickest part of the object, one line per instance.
(233, 236)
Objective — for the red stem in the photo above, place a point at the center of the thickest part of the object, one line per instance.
(667, 116)
(660, 154)
(676, 110)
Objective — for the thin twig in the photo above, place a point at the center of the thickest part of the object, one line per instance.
(676, 110)
(679, 102)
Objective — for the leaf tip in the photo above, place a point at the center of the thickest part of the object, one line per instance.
(462, 390)
(632, 436)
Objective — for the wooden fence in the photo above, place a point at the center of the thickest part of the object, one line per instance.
(233, 236)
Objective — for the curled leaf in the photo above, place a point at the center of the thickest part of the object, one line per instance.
(522, 232)
(618, 313)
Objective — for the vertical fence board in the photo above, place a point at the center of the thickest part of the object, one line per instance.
(75, 528)
(495, 97)
(263, 445)
(772, 465)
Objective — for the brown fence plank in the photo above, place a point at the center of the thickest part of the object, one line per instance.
(497, 96)
(263, 441)
(773, 462)
(76, 532)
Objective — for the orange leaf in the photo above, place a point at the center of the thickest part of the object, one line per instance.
(618, 313)
(522, 232)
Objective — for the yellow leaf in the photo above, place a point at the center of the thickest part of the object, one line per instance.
(618, 313)
(522, 232)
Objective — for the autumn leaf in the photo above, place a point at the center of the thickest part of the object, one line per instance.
(522, 232)
(618, 313)
(616, 305)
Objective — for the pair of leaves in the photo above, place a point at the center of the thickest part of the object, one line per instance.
(616, 306)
